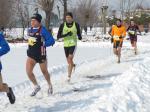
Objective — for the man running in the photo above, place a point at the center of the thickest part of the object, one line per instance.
(38, 39)
(118, 33)
(132, 31)
(69, 30)
(4, 48)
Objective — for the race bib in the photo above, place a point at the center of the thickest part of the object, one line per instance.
(131, 32)
(116, 37)
(72, 41)
(31, 41)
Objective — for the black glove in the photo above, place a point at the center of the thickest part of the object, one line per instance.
(112, 40)
(69, 34)
(128, 38)
(120, 37)
(80, 38)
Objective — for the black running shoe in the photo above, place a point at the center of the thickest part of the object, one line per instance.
(11, 96)
(74, 67)
(118, 61)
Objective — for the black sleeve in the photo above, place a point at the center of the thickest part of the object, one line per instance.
(109, 32)
(78, 31)
(138, 29)
(128, 28)
(59, 35)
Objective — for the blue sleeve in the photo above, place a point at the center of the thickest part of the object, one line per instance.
(48, 38)
(4, 47)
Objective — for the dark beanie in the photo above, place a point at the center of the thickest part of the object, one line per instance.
(119, 20)
(2, 28)
(69, 14)
(38, 17)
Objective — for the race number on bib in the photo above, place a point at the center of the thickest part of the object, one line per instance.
(131, 32)
(31, 41)
(116, 38)
(72, 41)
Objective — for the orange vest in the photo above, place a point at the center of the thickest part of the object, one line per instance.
(118, 32)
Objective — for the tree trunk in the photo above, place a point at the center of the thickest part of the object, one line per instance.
(65, 9)
(47, 21)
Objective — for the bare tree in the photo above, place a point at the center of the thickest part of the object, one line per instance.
(22, 11)
(6, 11)
(47, 7)
(128, 7)
(65, 6)
(87, 12)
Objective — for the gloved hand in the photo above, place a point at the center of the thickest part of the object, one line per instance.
(121, 37)
(112, 40)
(69, 34)
(80, 38)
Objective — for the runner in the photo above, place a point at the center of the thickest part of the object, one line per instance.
(2, 30)
(39, 38)
(4, 48)
(118, 33)
(69, 30)
(132, 32)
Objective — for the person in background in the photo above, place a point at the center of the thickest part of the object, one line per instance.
(132, 30)
(70, 31)
(4, 49)
(118, 33)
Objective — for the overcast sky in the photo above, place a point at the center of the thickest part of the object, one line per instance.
(113, 5)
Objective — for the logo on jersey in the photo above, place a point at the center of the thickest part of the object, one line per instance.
(32, 41)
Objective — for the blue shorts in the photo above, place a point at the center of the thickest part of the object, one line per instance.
(0, 67)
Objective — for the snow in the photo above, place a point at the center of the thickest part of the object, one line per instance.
(99, 84)
(16, 60)
(18, 32)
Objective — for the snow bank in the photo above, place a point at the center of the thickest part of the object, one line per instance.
(130, 92)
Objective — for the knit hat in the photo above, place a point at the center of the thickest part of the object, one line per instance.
(38, 17)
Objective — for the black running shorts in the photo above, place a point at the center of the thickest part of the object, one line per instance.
(117, 44)
(37, 57)
(69, 50)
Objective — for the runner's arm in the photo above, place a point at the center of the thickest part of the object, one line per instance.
(138, 30)
(48, 38)
(78, 31)
(128, 28)
(4, 47)
(109, 32)
(124, 32)
(60, 32)
(112, 31)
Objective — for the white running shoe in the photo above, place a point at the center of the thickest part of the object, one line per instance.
(50, 90)
(36, 90)
(68, 79)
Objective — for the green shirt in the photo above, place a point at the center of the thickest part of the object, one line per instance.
(70, 41)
